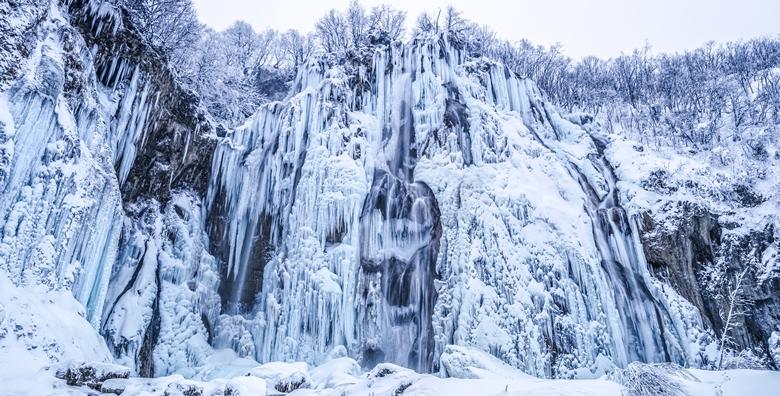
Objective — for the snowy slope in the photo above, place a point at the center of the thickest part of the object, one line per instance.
(38, 327)
(477, 374)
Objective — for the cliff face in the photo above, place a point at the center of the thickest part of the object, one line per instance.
(684, 249)
(164, 139)
(93, 127)
(388, 209)
(163, 144)
(701, 227)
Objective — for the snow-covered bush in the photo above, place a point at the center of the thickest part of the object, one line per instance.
(283, 377)
(742, 359)
(91, 374)
(641, 379)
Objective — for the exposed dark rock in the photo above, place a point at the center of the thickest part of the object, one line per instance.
(116, 386)
(456, 117)
(383, 370)
(688, 241)
(747, 197)
(742, 251)
(658, 181)
(680, 247)
(401, 388)
(18, 39)
(178, 142)
(288, 385)
(183, 389)
(146, 352)
(91, 374)
(253, 282)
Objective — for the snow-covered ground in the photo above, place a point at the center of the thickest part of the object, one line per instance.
(471, 372)
(38, 327)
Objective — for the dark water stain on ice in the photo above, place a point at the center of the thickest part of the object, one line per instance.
(409, 224)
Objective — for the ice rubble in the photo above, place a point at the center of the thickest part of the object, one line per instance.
(447, 204)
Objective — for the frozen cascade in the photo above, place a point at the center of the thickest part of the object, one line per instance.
(70, 127)
(399, 233)
(60, 206)
(400, 230)
(419, 201)
(646, 319)
(164, 301)
(397, 207)
(390, 206)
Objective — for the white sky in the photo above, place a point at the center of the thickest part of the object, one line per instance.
(603, 28)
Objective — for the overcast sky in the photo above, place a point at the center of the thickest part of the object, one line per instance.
(603, 28)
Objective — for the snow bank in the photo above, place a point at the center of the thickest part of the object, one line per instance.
(470, 363)
(38, 328)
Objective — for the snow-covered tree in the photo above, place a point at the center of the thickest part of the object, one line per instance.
(736, 307)
(296, 48)
(238, 69)
(171, 25)
(358, 23)
(332, 30)
(386, 24)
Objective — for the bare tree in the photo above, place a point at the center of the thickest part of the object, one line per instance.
(737, 305)
(268, 49)
(453, 19)
(296, 48)
(427, 23)
(357, 22)
(332, 30)
(386, 23)
(240, 46)
(171, 25)
(481, 40)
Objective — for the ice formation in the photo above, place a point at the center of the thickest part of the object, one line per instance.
(436, 201)
(60, 200)
(419, 209)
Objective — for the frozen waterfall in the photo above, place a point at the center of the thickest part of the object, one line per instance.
(419, 212)
(390, 206)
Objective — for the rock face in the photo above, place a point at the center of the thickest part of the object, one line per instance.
(688, 244)
(390, 210)
(163, 139)
(680, 248)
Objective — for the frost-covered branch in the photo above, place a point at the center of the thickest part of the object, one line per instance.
(737, 308)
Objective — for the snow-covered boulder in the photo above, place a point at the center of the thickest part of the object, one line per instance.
(465, 362)
(283, 377)
(335, 373)
(387, 369)
(114, 385)
(91, 374)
